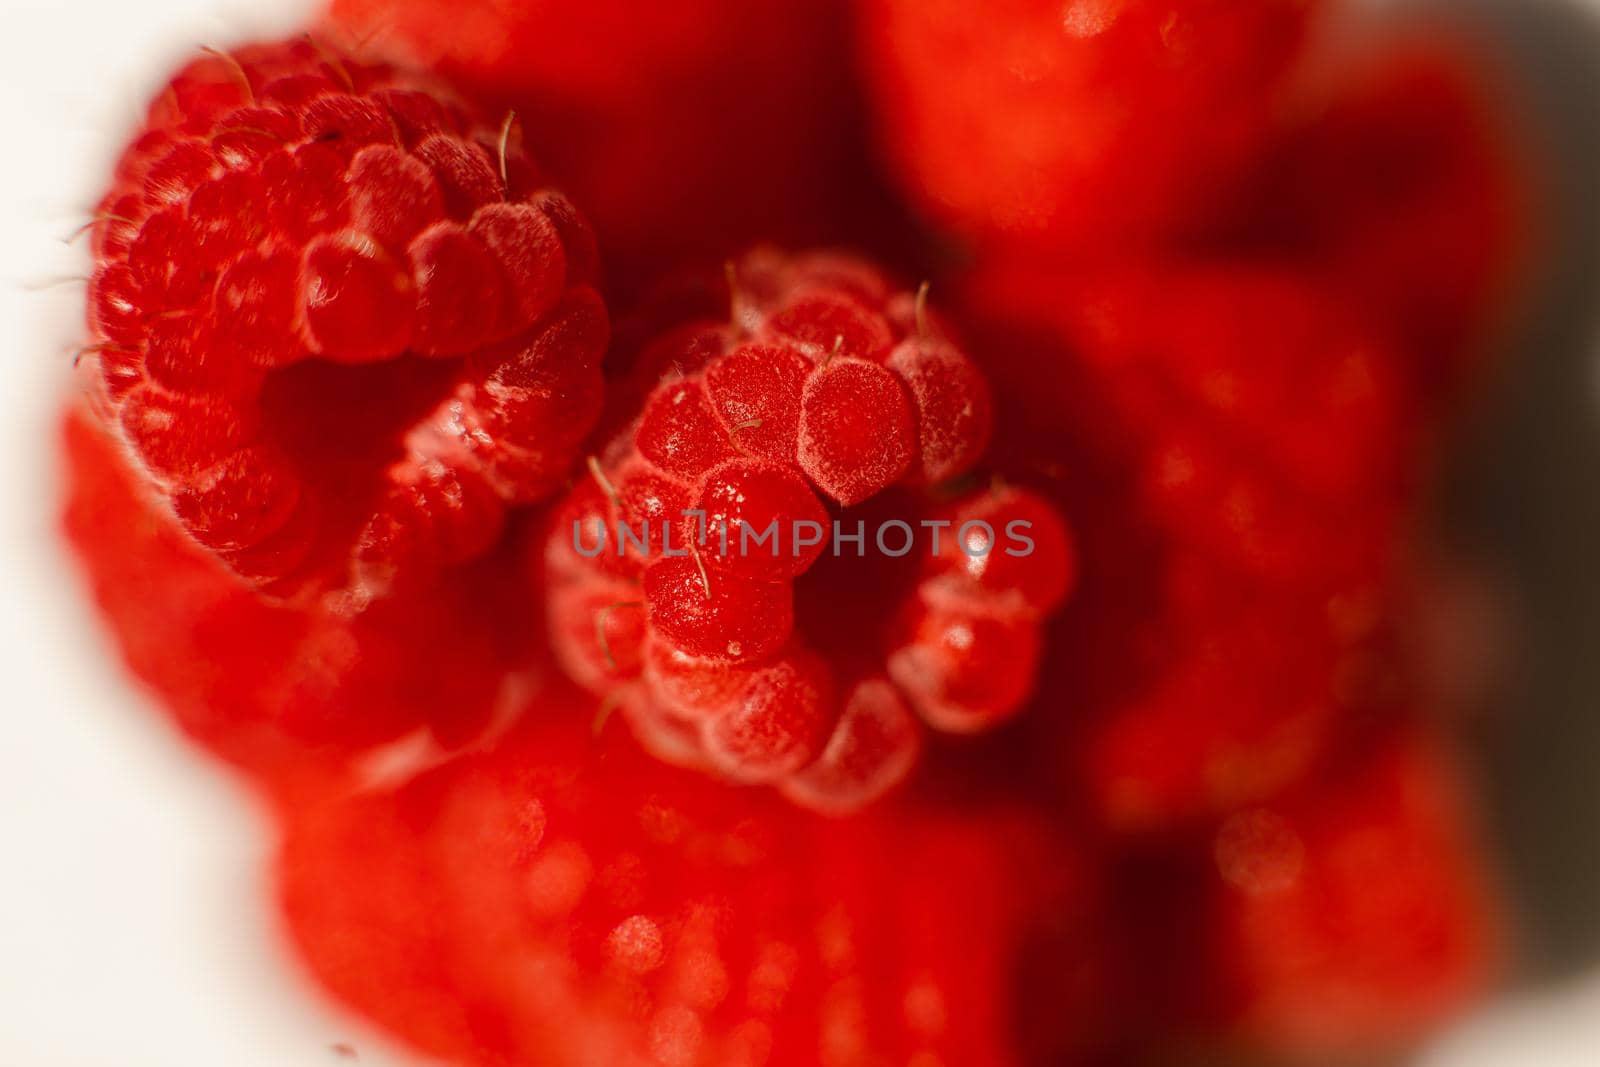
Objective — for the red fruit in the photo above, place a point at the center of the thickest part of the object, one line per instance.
(1233, 606)
(1088, 121)
(777, 723)
(341, 323)
(951, 397)
(291, 693)
(1234, 693)
(717, 614)
(747, 499)
(564, 900)
(1011, 546)
(965, 670)
(1404, 187)
(874, 745)
(1356, 916)
(1273, 426)
(857, 436)
(826, 382)
(679, 432)
(687, 130)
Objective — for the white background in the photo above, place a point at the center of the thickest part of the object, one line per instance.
(134, 925)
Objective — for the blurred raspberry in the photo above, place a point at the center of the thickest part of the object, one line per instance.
(1092, 121)
(1401, 183)
(1356, 915)
(340, 320)
(1238, 454)
(567, 900)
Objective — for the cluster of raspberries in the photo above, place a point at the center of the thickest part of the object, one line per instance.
(811, 674)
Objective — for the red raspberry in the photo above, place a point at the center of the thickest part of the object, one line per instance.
(290, 692)
(1239, 453)
(1229, 694)
(1403, 185)
(743, 656)
(1268, 425)
(1275, 423)
(1091, 120)
(341, 322)
(687, 130)
(1355, 916)
(568, 901)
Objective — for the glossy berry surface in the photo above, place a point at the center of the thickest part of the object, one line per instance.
(1086, 122)
(340, 319)
(591, 906)
(759, 646)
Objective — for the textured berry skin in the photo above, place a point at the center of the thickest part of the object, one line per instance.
(341, 321)
(777, 661)
(1356, 916)
(290, 693)
(568, 900)
(1092, 121)
(1237, 448)
(686, 130)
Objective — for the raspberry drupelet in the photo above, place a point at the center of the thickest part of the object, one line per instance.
(745, 638)
(341, 321)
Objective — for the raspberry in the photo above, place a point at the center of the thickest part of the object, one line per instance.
(1241, 452)
(564, 900)
(1355, 916)
(1274, 426)
(340, 320)
(1240, 692)
(1089, 121)
(292, 693)
(757, 99)
(1403, 187)
(739, 658)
